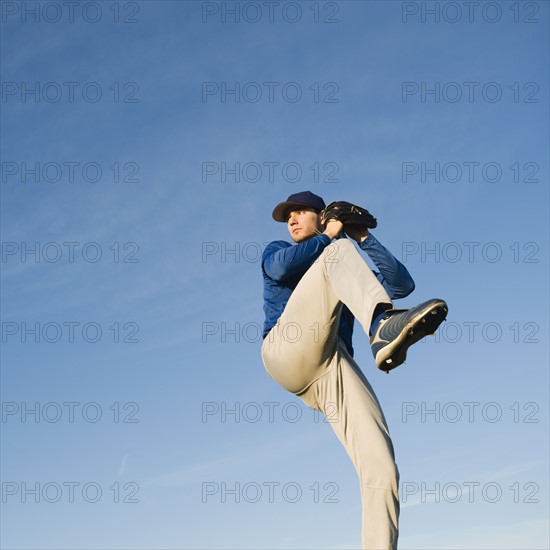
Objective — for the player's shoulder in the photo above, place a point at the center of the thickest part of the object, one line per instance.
(273, 246)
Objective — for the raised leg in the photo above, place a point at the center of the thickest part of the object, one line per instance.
(300, 346)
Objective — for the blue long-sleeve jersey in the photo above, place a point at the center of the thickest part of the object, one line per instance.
(284, 264)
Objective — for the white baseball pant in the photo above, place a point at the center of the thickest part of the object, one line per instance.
(303, 354)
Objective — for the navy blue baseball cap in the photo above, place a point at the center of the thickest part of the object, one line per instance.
(304, 198)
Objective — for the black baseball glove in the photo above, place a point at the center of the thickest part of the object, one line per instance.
(349, 214)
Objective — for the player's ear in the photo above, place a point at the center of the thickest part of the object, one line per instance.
(320, 220)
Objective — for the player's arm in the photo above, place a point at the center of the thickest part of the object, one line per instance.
(393, 275)
(282, 260)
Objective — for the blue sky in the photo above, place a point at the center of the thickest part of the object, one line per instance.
(153, 352)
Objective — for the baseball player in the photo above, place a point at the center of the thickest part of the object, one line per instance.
(313, 291)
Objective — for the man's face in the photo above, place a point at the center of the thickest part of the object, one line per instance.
(303, 223)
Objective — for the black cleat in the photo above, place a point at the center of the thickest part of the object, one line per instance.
(401, 328)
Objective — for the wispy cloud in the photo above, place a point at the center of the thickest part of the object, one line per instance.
(521, 535)
(122, 467)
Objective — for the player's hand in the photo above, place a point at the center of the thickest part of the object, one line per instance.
(333, 229)
(357, 233)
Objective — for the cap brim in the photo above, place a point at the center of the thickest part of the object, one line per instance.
(280, 213)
